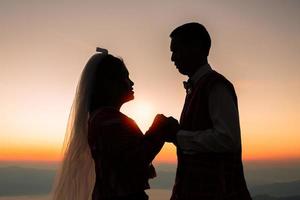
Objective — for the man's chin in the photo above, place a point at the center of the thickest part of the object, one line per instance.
(182, 71)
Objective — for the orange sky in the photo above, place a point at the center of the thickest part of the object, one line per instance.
(45, 45)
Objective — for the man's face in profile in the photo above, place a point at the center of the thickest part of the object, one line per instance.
(178, 56)
(184, 57)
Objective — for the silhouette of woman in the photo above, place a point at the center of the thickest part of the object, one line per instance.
(107, 157)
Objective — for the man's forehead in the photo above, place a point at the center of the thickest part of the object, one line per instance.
(175, 43)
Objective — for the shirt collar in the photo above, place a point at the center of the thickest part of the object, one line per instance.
(204, 69)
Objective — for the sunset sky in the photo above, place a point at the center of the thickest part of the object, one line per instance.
(45, 45)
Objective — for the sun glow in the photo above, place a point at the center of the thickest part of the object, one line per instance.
(142, 113)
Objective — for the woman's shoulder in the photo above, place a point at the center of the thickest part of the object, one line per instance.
(109, 116)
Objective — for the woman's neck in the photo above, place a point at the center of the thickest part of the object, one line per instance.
(115, 106)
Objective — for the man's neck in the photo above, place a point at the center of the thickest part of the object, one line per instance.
(197, 67)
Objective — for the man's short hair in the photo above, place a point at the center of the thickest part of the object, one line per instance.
(193, 34)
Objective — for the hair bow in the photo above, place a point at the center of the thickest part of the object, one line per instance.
(102, 50)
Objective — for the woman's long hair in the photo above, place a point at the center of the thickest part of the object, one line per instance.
(76, 177)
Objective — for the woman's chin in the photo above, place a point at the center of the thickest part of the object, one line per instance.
(129, 97)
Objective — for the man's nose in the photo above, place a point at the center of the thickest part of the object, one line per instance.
(172, 57)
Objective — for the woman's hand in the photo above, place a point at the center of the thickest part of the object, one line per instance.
(165, 127)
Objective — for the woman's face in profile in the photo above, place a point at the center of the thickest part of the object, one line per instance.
(126, 86)
(123, 86)
(112, 85)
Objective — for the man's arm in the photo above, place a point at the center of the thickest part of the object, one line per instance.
(225, 134)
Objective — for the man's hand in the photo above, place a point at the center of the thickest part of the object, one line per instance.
(165, 127)
(172, 127)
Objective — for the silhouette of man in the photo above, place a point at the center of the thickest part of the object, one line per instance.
(208, 140)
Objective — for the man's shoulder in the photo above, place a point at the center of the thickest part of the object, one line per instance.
(211, 78)
(220, 84)
(214, 75)
(213, 81)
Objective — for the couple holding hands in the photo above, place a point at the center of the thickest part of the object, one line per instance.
(107, 157)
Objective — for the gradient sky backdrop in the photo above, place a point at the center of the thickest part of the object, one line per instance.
(45, 45)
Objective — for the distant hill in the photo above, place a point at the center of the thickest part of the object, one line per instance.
(256, 175)
(267, 197)
(15, 181)
(164, 180)
(25, 181)
(277, 189)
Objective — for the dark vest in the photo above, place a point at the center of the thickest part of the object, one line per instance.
(207, 176)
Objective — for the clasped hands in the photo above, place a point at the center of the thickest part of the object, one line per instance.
(165, 127)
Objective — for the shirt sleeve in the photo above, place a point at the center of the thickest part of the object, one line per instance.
(225, 134)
